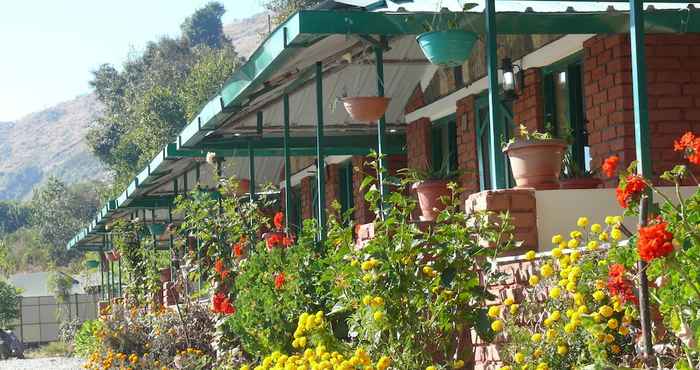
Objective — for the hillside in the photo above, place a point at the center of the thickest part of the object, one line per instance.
(51, 141)
(48, 142)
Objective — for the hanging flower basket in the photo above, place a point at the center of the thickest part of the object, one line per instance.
(91, 264)
(536, 163)
(156, 229)
(449, 48)
(366, 108)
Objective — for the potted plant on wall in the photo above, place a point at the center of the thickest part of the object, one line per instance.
(573, 177)
(444, 43)
(431, 187)
(535, 159)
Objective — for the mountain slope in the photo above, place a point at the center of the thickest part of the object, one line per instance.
(247, 33)
(48, 142)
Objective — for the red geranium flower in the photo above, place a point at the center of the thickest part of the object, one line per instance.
(227, 308)
(689, 144)
(273, 240)
(610, 165)
(216, 301)
(654, 241)
(288, 240)
(219, 265)
(618, 285)
(238, 249)
(278, 220)
(629, 190)
(279, 280)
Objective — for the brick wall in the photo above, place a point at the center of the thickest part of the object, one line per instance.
(307, 198)
(673, 74)
(418, 144)
(466, 145)
(528, 108)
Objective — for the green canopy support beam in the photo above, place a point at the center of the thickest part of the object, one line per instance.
(287, 164)
(381, 125)
(641, 135)
(320, 159)
(102, 267)
(251, 170)
(497, 170)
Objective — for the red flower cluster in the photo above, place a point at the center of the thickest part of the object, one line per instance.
(278, 220)
(222, 304)
(219, 268)
(689, 144)
(278, 240)
(618, 285)
(610, 165)
(654, 241)
(628, 191)
(279, 280)
(237, 250)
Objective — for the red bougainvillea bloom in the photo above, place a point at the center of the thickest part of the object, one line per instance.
(279, 280)
(278, 220)
(632, 187)
(618, 285)
(610, 165)
(273, 240)
(689, 144)
(655, 241)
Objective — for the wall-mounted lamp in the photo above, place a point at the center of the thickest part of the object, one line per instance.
(513, 81)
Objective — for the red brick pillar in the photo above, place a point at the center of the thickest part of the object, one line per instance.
(466, 146)
(673, 74)
(307, 198)
(418, 145)
(528, 108)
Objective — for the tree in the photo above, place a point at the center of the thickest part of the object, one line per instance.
(282, 9)
(204, 27)
(9, 304)
(12, 216)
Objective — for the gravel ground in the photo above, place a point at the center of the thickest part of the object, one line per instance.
(48, 363)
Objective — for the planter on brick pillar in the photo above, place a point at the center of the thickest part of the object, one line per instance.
(520, 203)
(673, 73)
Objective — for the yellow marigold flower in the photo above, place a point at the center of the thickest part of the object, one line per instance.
(538, 352)
(431, 368)
(592, 245)
(627, 319)
(555, 315)
(506, 368)
(612, 324)
(615, 348)
(428, 270)
(556, 252)
(509, 301)
(623, 330)
(378, 301)
(366, 300)
(582, 222)
(603, 236)
(598, 295)
(494, 311)
(562, 349)
(575, 256)
(546, 270)
(570, 328)
(606, 311)
(571, 287)
(530, 255)
(458, 364)
(550, 334)
(616, 234)
(578, 298)
(367, 265)
(556, 239)
(555, 292)
(596, 228)
(497, 326)
(573, 243)
(514, 309)
(597, 317)
(519, 358)
(548, 322)
(534, 280)
(537, 337)
(367, 278)
(609, 338)
(378, 315)
(600, 284)
(583, 309)
(575, 234)
(383, 363)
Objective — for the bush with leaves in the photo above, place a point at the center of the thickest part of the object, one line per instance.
(9, 304)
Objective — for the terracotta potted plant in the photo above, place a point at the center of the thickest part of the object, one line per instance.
(573, 177)
(535, 159)
(430, 188)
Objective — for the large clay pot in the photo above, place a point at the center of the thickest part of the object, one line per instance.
(580, 183)
(366, 108)
(429, 193)
(536, 163)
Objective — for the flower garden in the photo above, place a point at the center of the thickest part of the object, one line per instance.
(251, 293)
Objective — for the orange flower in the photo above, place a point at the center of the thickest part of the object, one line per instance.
(689, 144)
(273, 240)
(278, 220)
(618, 285)
(629, 190)
(238, 249)
(610, 165)
(288, 240)
(655, 241)
(279, 280)
(219, 265)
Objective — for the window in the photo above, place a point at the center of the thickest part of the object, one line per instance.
(564, 107)
(347, 200)
(444, 143)
(481, 111)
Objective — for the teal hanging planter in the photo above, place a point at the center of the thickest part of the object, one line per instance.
(156, 229)
(91, 264)
(449, 48)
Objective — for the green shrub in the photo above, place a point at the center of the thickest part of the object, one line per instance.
(86, 340)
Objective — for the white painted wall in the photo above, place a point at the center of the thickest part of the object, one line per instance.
(558, 210)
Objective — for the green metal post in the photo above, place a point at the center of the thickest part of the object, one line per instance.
(119, 269)
(320, 160)
(287, 164)
(498, 170)
(641, 134)
(381, 125)
(111, 273)
(102, 267)
(251, 169)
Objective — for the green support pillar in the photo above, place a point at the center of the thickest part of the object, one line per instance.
(498, 170)
(381, 125)
(251, 170)
(641, 134)
(287, 164)
(320, 160)
(102, 267)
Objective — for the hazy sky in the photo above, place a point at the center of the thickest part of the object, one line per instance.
(49, 47)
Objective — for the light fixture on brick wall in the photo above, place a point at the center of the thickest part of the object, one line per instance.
(513, 81)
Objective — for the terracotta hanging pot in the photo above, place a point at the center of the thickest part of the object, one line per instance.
(429, 193)
(366, 108)
(536, 163)
(580, 183)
